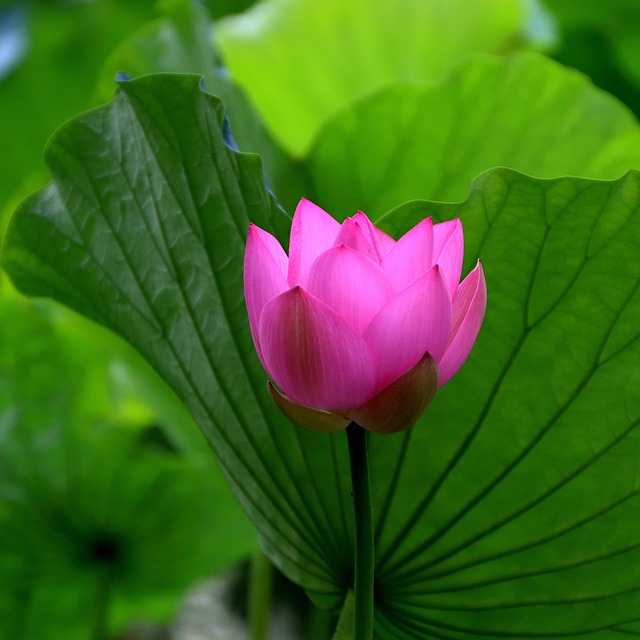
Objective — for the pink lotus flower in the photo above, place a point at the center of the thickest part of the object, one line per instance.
(354, 326)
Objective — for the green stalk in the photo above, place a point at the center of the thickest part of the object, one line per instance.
(260, 586)
(364, 542)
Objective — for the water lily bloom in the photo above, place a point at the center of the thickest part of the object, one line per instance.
(354, 326)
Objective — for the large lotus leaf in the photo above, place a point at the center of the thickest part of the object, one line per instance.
(153, 184)
(524, 112)
(527, 524)
(300, 60)
(510, 510)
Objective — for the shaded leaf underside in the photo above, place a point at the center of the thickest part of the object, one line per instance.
(151, 207)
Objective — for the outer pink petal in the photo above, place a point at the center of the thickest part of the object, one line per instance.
(414, 322)
(411, 256)
(468, 313)
(265, 275)
(312, 232)
(313, 355)
(351, 284)
(360, 234)
(448, 251)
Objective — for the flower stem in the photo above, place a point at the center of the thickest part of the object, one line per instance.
(364, 567)
(260, 586)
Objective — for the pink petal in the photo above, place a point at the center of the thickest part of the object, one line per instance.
(414, 322)
(448, 251)
(411, 256)
(351, 284)
(385, 240)
(312, 232)
(359, 234)
(265, 275)
(313, 355)
(468, 313)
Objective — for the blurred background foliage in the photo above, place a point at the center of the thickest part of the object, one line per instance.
(95, 475)
(111, 504)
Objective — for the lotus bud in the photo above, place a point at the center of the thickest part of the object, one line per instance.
(354, 326)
